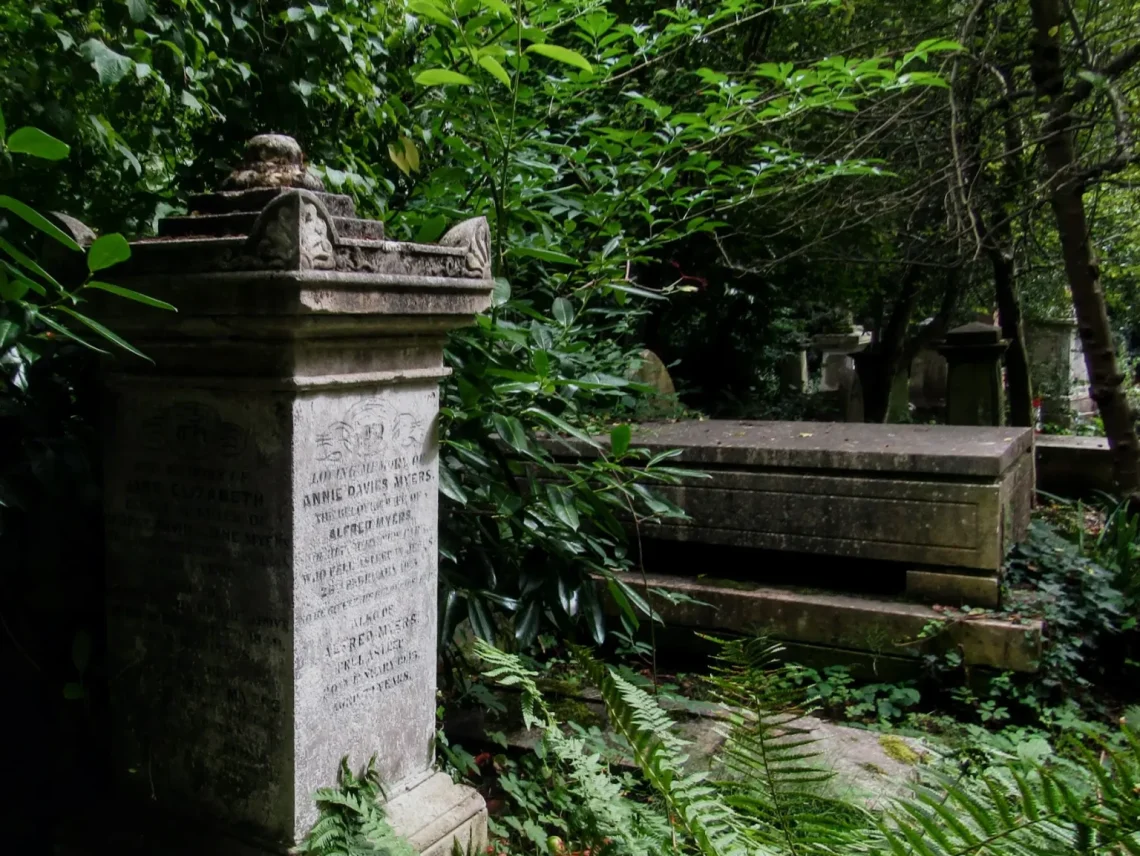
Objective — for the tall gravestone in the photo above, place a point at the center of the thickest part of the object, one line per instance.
(271, 509)
(975, 393)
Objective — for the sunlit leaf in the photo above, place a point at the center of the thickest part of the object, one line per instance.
(562, 55)
(107, 251)
(492, 67)
(34, 142)
(442, 77)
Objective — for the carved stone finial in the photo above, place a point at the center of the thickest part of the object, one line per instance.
(475, 236)
(272, 160)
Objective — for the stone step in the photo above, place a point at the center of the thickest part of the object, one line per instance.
(853, 623)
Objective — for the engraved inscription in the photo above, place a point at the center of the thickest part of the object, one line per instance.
(365, 504)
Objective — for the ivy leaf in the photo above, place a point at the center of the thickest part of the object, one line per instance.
(442, 77)
(132, 295)
(619, 440)
(491, 65)
(38, 221)
(34, 142)
(138, 10)
(107, 251)
(111, 67)
(562, 55)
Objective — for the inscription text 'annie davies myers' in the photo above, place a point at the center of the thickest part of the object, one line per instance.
(366, 506)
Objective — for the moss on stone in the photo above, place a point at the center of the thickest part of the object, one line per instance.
(898, 749)
(572, 710)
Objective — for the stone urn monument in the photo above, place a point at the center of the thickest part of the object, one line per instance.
(271, 511)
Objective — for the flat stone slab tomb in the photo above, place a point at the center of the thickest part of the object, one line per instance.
(937, 506)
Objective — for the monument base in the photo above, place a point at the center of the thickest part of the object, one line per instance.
(437, 814)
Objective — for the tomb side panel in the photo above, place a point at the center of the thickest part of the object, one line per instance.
(198, 522)
(365, 509)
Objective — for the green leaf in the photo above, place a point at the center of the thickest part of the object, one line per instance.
(111, 67)
(63, 331)
(442, 77)
(449, 486)
(501, 293)
(28, 263)
(3, 125)
(619, 440)
(561, 501)
(132, 295)
(11, 289)
(9, 333)
(526, 623)
(491, 65)
(562, 425)
(545, 255)
(107, 251)
(37, 220)
(563, 311)
(511, 431)
(430, 10)
(104, 332)
(34, 142)
(563, 55)
(138, 10)
(499, 7)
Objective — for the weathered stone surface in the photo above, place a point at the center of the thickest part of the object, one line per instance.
(956, 589)
(437, 814)
(842, 489)
(842, 621)
(651, 371)
(271, 513)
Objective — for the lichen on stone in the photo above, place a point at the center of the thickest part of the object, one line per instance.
(899, 750)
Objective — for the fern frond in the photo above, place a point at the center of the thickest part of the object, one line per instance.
(694, 806)
(770, 764)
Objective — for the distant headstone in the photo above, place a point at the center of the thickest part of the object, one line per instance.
(271, 511)
(793, 371)
(838, 375)
(974, 391)
(928, 380)
(1057, 366)
(652, 371)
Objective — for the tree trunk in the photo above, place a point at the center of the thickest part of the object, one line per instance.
(1067, 199)
(1016, 356)
(878, 366)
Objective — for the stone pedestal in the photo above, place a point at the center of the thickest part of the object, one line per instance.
(271, 510)
(974, 391)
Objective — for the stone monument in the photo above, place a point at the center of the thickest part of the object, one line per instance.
(271, 511)
(839, 378)
(975, 394)
(1057, 365)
